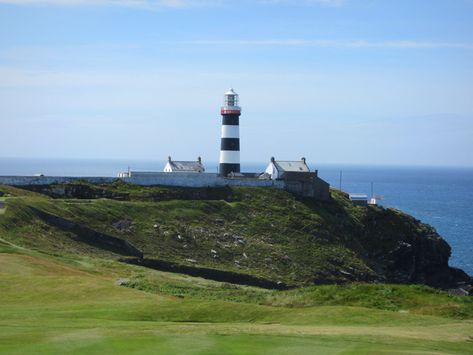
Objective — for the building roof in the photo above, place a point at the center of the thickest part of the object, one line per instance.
(231, 92)
(186, 165)
(291, 166)
(358, 197)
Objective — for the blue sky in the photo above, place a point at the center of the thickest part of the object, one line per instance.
(338, 81)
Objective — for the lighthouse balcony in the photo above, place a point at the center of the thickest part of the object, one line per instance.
(233, 110)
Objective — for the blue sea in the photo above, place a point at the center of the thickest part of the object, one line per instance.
(441, 197)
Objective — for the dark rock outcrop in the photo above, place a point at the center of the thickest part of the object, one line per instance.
(78, 191)
(155, 193)
(401, 249)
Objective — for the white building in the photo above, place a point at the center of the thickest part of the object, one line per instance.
(277, 168)
(174, 166)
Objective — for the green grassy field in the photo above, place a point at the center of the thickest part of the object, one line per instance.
(58, 295)
(52, 304)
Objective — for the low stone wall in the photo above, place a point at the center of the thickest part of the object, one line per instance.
(90, 236)
(197, 180)
(311, 187)
(164, 179)
(308, 186)
(207, 273)
(49, 180)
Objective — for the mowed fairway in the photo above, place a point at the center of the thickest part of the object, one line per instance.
(50, 306)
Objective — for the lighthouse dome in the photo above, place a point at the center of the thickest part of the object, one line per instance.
(231, 92)
(230, 98)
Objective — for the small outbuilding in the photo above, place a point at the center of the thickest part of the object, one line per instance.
(297, 178)
(174, 166)
(359, 199)
(277, 169)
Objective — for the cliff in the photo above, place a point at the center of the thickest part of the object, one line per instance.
(236, 234)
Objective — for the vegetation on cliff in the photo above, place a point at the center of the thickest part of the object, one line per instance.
(265, 233)
(63, 288)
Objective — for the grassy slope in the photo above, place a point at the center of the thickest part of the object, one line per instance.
(2, 207)
(63, 298)
(57, 304)
(281, 238)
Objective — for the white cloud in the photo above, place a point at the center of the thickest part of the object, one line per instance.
(144, 4)
(339, 43)
(334, 3)
(159, 4)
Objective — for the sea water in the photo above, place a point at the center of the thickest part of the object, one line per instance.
(441, 197)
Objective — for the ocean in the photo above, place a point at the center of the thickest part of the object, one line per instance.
(439, 196)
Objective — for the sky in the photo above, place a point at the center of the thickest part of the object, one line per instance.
(375, 82)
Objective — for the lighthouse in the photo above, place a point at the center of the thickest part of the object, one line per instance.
(230, 143)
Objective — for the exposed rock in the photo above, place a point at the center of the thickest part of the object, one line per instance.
(123, 225)
(404, 250)
(84, 190)
(79, 191)
(122, 282)
(458, 292)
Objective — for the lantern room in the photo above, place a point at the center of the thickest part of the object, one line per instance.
(230, 103)
(230, 99)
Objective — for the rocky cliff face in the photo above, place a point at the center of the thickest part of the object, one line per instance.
(404, 250)
(261, 234)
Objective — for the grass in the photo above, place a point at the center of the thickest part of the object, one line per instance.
(413, 299)
(262, 232)
(281, 239)
(53, 305)
(2, 205)
(58, 295)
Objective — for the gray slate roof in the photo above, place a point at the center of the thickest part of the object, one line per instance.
(291, 166)
(186, 166)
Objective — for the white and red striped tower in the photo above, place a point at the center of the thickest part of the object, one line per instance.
(230, 144)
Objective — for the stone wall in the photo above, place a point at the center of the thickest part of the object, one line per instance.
(197, 180)
(308, 185)
(165, 179)
(48, 180)
(321, 190)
